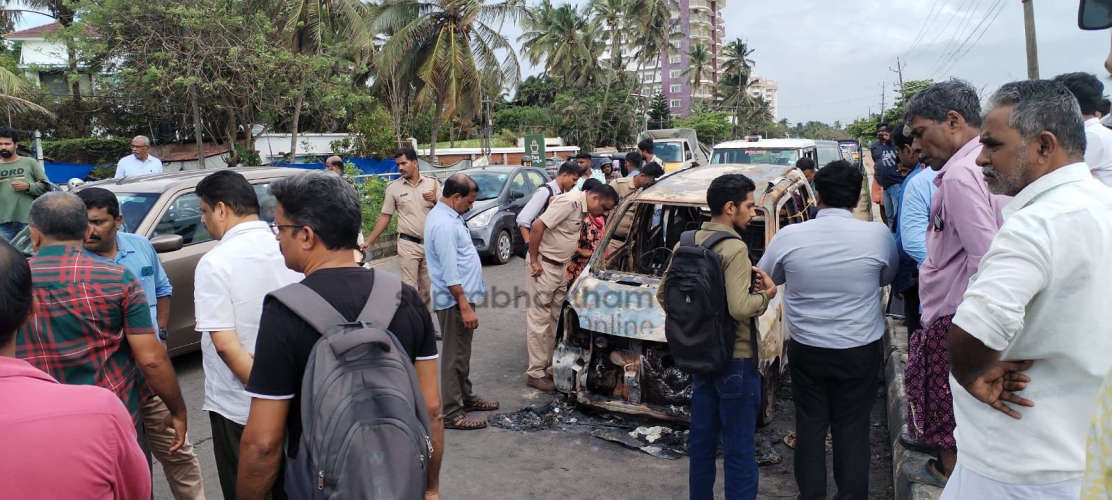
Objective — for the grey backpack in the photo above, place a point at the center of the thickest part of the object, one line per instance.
(365, 428)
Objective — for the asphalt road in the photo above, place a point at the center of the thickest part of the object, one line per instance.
(502, 464)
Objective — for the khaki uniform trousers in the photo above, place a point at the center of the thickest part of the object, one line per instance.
(414, 267)
(546, 295)
(183, 471)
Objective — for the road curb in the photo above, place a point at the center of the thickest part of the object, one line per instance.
(904, 461)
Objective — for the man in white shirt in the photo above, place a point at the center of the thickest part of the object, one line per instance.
(1087, 88)
(1032, 329)
(140, 161)
(230, 283)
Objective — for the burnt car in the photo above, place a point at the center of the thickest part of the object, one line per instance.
(165, 208)
(611, 351)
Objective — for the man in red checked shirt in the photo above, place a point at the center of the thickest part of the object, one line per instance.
(92, 325)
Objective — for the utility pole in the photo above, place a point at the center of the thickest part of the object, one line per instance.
(1032, 46)
(881, 102)
(900, 73)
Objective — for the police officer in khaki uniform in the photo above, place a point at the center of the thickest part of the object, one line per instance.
(554, 238)
(648, 174)
(411, 196)
(626, 186)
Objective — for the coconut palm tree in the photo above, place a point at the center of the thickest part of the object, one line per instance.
(615, 15)
(63, 12)
(737, 57)
(308, 24)
(697, 61)
(448, 44)
(565, 40)
(11, 85)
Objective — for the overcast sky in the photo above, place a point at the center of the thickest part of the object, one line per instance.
(830, 57)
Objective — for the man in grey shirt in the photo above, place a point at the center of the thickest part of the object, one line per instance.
(832, 268)
(564, 181)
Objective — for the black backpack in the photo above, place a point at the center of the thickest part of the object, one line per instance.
(700, 331)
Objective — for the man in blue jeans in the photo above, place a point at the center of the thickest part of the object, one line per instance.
(726, 405)
(886, 170)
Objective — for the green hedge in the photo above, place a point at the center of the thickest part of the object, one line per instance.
(87, 150)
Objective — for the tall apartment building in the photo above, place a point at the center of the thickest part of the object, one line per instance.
(765, 89)
(696, 21)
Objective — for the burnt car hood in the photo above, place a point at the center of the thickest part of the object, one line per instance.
(618, 304)
(625, 305)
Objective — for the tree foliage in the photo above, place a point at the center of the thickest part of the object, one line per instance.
(711, 126)
(217, 54)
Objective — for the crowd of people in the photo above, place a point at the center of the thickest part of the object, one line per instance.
(997, 223)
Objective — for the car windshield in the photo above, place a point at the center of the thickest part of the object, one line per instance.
(754, 155)
(134, 207)
(490, 183)
(668, 152)
(643, 240)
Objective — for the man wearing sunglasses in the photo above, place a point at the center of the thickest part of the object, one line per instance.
(230, 283)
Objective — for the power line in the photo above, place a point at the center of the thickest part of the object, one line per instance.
(952, 44)
(943, 32)
(966, 46)
(923, 27)
(970, 46)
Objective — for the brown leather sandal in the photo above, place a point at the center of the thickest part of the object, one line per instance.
(480, 404)
(466, 422)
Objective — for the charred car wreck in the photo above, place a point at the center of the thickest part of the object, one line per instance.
(611, 351)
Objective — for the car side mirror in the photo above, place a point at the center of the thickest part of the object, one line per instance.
(516, 195)
(1094, 15)
(687, 155)
(167, 243)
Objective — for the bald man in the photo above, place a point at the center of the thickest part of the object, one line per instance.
(335, 164)
(140, 161)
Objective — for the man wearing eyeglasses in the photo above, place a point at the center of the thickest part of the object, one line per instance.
(230, 283)
(140, 161)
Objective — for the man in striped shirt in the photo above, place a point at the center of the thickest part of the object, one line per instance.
(92, 325)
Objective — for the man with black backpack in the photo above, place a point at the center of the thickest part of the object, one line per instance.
(711, 301)
(345, 365)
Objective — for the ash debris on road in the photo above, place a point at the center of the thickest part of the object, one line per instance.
(660, 439)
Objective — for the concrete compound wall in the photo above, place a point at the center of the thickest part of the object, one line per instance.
(906, 464)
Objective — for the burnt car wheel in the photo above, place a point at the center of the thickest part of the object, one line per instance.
(503, 247)
(769, 383)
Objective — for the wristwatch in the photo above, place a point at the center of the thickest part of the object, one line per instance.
(163, 334)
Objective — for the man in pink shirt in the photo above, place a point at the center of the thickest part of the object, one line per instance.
(60, 441)
(945, 121)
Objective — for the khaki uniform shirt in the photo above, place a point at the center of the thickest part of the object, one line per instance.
(623, 185)
(743, 303)
(409, 202)
(563, 222)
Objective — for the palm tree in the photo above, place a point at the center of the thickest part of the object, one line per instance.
(63, 12)
(733, 88)
(566, 41)
(737, 57)
(615, 15)
(10, 86)
(697, 61)
(309, 24)
(448, 44)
